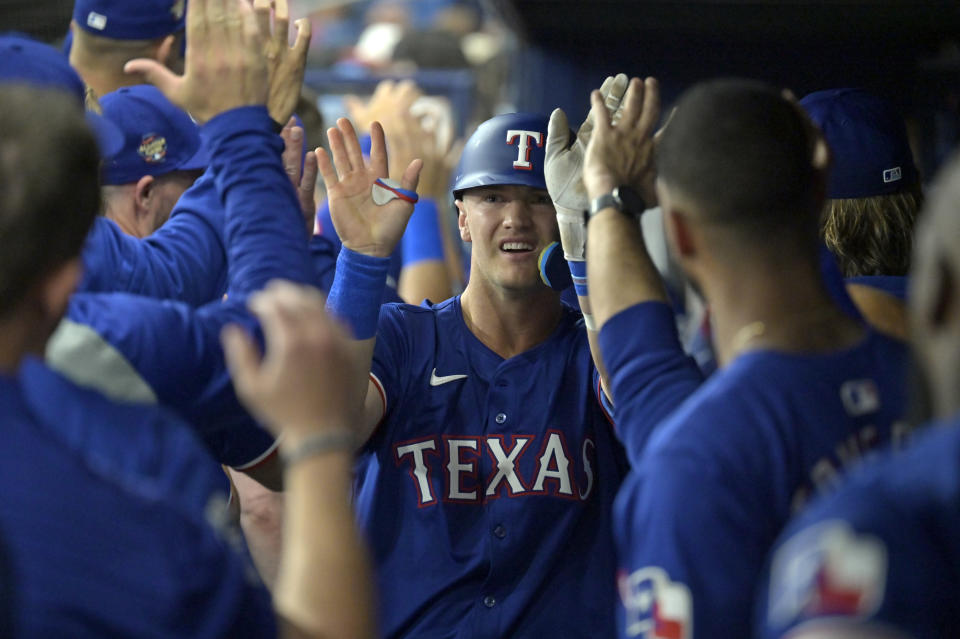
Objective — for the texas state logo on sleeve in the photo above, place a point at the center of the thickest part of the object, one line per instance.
(656, 608)
(826, 570)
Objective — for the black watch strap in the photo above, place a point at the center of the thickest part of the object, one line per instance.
(605, 201)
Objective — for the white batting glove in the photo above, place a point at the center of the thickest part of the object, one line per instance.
(564, 168)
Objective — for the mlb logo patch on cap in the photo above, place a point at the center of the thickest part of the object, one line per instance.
(96, 21)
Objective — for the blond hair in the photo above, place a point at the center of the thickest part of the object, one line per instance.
(872, 235)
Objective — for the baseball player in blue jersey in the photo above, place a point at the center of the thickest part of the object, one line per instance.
(879, 557)
(140, 349)
(804, 390)
(488, 466)
(102, 536)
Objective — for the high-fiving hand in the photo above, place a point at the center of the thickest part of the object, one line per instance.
(363, 225)
(622, 152)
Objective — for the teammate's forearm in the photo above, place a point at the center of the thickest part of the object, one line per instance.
(621, 272)
(324, 586)
(354, 299)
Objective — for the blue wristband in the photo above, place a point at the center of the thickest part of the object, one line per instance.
(579, 272)
(357, 287)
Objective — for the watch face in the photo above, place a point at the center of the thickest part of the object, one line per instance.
(632, 202)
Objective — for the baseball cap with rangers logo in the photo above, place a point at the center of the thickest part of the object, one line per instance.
(128, 20)
(158, 137)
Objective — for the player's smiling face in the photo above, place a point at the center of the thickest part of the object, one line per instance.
(508, 227)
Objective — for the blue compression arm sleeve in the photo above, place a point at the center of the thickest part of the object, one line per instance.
(650, 375)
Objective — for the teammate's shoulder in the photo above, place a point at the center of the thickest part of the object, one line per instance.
(885, 538)
(130, 437)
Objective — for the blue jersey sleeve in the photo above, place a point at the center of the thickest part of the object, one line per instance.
(680, 524)
(391, 355)
(264, 227)
(650, 375)
(176, 352)
(184, 260)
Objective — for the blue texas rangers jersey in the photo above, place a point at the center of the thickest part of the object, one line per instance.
(184, 259)
(140, 349)
(110, 524)
(486, 490)
(719, 478)
(883, 550)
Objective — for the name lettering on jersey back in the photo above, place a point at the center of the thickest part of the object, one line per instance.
(554, 471)
(827, 471)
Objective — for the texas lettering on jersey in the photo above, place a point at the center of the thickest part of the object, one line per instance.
(556, 470)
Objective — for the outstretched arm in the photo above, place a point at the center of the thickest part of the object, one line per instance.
(370, 218)
(649, 373)
(324, 586)
(621, 271)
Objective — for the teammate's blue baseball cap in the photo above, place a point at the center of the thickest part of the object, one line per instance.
(26, 61)
(868, 140)
(507, 149)
(158, 137)
(130, 19)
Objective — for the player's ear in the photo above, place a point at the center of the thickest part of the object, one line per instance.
(462, 221)
(169, 52)
(679, 233)
(143, 192)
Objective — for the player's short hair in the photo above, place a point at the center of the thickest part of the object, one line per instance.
(48, 176)
(872, 235)
(742, 154)
(111, 51)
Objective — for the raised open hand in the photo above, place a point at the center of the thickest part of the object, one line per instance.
(363, 225)
(622, 152)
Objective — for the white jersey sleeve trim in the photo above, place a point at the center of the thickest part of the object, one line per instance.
(260, 458)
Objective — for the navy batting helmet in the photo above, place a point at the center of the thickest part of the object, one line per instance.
(506, 149)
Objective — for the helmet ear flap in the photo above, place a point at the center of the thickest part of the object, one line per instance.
(507, 149)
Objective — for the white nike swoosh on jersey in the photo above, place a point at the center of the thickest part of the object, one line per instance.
(437, 381)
